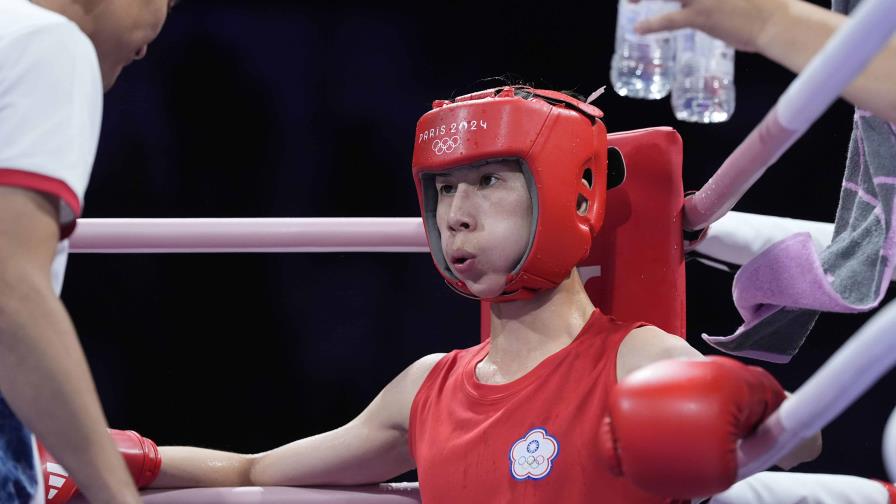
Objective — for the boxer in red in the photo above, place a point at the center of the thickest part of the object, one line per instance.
(512, 183)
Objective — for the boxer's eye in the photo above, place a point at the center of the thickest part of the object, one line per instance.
(488, 180)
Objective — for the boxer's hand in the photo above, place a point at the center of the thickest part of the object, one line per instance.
(672, 427)
(140, 454)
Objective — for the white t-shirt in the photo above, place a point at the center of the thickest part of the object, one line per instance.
(51, 100)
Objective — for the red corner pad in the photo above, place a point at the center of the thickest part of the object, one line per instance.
(48, 185)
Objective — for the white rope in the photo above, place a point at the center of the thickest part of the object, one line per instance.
(889, 446)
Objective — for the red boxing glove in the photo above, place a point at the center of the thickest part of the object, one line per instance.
(672, 427)
(140, 454)
(60, 487)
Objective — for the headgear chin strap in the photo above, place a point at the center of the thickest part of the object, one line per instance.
(561, 146)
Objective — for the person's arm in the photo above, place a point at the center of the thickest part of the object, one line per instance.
(43, 371)
(789, 32)
(649, 344)
(370, 449)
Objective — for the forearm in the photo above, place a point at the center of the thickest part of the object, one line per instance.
(184, 466)
(45, 378)
(801, 29)
(344, 456)
(350, 455)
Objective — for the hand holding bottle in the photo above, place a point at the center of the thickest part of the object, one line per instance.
(741, 23)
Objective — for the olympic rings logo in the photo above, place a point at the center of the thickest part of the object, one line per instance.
(441, 146)
(533, 462)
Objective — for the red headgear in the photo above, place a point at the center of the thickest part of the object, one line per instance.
(561, 146)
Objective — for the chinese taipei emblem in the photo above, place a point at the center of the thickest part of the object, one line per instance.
(532, 456)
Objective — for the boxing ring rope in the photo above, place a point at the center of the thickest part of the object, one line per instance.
(399, 234)
(822, 81)
(889, 446)
(386, 493)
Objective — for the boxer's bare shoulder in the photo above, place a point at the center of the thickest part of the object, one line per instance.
(648, 344)
(393, 404)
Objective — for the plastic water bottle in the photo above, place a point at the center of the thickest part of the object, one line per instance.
(642, 65)
(703, 86)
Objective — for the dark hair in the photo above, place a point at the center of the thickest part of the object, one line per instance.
(513, 80)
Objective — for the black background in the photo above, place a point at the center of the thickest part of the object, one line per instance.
(280, 109)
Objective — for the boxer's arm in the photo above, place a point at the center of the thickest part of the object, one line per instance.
(43, 372)
(371, 448)
(648, 344)
(672, 427)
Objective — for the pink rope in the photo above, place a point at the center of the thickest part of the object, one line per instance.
(398, 234)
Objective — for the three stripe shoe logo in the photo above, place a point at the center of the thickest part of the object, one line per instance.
(57, 476)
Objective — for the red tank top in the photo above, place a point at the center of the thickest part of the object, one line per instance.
(533, 439)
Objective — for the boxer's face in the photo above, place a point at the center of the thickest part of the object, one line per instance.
(484, 215)
(121, 31)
